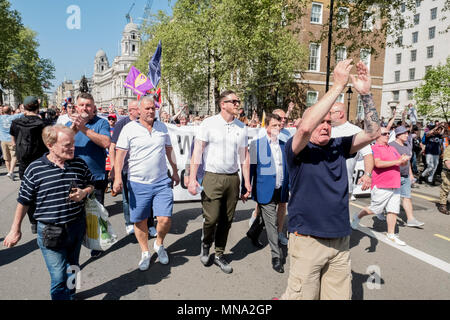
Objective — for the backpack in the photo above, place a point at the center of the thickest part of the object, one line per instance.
(29, 144)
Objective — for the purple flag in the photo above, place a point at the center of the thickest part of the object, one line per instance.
(138, 82)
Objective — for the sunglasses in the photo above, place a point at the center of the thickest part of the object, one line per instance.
(385, 133)
(235, 102)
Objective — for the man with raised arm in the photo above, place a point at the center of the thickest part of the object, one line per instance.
(319, 223)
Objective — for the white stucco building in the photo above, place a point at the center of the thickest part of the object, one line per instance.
(107, 80)
(428, 46)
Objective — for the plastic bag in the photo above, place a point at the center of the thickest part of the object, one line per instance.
(99, 233)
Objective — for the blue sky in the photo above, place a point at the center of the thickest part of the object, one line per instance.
(73, 51)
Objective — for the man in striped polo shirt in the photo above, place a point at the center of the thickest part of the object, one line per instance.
(57, 183)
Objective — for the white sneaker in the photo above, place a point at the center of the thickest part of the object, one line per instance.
(162, 253)
(252, 219)
(152, 232)
(414, 223)
(380, 217)
(282, 238)
(395, 239)
(355, 222)
(130, 229)
(352, 198)
(144, 264)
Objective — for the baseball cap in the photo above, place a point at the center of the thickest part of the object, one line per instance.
(400, 130)
(30, 100)
(112, 115)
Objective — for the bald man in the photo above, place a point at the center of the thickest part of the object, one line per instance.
(342, 128)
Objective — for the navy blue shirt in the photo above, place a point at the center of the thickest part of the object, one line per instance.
(433, 145)
(318, 205)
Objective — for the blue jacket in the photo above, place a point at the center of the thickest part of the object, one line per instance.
(263, 174)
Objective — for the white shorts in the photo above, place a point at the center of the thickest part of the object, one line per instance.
(385, 198)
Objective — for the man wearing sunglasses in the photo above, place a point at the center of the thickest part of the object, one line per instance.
(222, 141)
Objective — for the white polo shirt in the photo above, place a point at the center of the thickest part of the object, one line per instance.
(147, 150)
(223, 141)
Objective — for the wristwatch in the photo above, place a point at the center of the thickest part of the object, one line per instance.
(368, 174)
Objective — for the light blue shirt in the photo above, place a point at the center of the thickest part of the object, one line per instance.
(5, 125)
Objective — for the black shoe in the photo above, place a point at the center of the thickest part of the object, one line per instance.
(34, 228)
(442, 208)
(255, 241)
(277, 265)
(96, 253)
(223, 264)
(421, 179)
(204, 254)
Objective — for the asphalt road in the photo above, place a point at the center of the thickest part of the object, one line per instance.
(380, 270)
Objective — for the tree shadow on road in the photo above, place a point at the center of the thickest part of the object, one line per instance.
(128, 283)
(10, 255)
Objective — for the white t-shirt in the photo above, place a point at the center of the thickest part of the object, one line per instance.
(63, 119)
(223, 143)
(147, 163)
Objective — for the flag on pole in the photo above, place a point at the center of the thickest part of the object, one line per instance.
(154, 66)
(137, 81)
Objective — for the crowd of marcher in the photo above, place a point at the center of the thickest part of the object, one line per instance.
(65, 156)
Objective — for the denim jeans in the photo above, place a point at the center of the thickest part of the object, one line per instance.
(58, 260)
(432, 164)
(414, 163)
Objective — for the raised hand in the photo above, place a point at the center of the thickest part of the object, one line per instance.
(362, 82)
(341, 72)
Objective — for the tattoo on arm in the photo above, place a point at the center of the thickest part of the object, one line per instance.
(371, 119)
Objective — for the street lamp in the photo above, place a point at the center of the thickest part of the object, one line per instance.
(349, 97)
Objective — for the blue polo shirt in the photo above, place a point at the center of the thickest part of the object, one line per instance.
(92, 154)
(318, 205)
(5, 125)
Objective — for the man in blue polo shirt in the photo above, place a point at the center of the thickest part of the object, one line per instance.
(319, 223)
(91, 141)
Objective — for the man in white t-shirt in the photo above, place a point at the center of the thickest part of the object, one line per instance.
(342, 128)
(148, 143)
(222, 141)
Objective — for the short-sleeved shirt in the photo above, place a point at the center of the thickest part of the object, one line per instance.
(48, 186)
(147, 163)
(348, 129)
(5, 126)
(403, 149)
(385, 178)
(318, 205)
(223, 143)
(115, 137)
(91, 153)
(433, 145)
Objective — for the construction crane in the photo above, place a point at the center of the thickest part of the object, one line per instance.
(127, 16)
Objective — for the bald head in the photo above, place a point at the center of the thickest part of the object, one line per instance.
(338, 114)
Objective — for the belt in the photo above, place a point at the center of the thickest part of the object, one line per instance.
(223, 174)
(310, 236)
(65, 225)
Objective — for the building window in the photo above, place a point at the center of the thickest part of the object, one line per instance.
(365, 57)
(431, 32)
(340, 98)
(395, 95)
(410, 93)
(403, 7)
(314, 57)
(417, 18)
(133, 48)
(398, 57)
(360, 107)
(316, 13)
(341, 54)
(311, 97)
(412, 73)
(125, 102)
(415, 37)
(397, 76)
(133, 36)
(367, 21)
(342, 18)
(413, 55)
(427, 68)
(418, 3)
(433, 13)
(400, 40)
(430, 52)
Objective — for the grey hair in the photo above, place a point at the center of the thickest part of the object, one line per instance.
(150, 97)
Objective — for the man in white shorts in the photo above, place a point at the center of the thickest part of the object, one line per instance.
(385, 185)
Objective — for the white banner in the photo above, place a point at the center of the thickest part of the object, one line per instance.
(182, 138)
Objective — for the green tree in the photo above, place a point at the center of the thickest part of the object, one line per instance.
(433, 96)
(21, 68)
(248, 46)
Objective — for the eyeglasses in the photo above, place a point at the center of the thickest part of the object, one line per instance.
(385, 133)
(235, 102)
